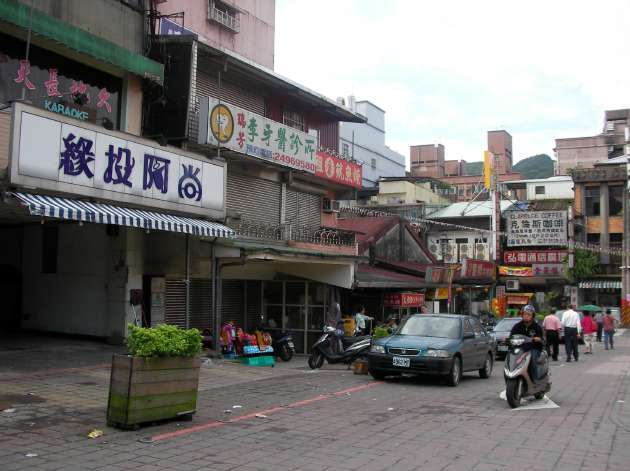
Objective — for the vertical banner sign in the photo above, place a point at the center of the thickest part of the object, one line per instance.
(487, 169)
(249, 133)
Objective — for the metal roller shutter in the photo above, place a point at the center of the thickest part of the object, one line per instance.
(255, 199)
(5, 136)
(200, 303)
(303, 209)
(201, 315)
(253, 308)
(207, 84)
(175, 302)
(233, 302)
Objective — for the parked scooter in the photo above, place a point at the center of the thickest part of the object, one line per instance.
(283, 346)
(335, 348)
(518, 382)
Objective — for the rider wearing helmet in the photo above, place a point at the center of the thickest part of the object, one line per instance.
(530, 328)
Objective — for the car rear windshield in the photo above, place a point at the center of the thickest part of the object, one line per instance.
(426, 326)
(506, 325)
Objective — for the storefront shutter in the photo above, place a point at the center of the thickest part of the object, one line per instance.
(200, 303)
(175, 302)
(233, 302)
(207, 84)
(303, 209)
(253, 308)
(255, 199)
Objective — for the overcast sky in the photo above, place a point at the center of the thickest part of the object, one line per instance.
(448, 71)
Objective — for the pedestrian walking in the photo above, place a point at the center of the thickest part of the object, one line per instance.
(609, 330)
(589, 328)
(599, 320)
(552, 326)
(572, 331)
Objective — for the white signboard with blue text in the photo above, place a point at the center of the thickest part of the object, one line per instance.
(536, 228)
(235, 128)
(63, 155)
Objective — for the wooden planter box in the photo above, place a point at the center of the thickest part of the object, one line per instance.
(150, 389)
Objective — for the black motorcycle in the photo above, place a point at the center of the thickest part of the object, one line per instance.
(333, 347)
(283, 346)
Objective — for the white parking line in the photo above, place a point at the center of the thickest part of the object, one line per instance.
(533, 404)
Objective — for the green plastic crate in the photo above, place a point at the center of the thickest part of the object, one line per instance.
(265, 360)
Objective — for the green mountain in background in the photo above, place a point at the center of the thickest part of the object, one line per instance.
(536, 166)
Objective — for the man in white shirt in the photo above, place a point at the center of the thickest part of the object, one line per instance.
(359, 319)
(572, 332)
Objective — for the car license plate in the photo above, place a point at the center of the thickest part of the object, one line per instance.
(502, 348)
(290, 344)
(401, 361)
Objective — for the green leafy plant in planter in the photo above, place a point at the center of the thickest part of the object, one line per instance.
(163, 341)
(158, 379)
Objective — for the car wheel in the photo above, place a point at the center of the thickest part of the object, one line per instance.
(486, 371)
(377, 375)
(455, 375)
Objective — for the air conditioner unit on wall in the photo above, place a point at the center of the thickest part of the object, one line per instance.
(330, 206)
(512, 285)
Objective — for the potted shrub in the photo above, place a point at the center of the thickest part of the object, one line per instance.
(158, 379)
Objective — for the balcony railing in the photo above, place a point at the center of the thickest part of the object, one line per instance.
(295, 233)
(229, 21)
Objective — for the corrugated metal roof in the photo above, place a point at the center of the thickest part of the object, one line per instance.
(469, 210)
(371, 277)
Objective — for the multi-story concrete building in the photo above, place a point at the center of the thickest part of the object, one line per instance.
(585, 152)
(428, 161)
(365, 142)
(600, 196)
(245, 27)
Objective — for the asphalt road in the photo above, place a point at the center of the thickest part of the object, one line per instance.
(293, 419)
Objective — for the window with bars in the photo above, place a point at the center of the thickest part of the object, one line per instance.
(293, 119)
(591, 200)
(345, 150)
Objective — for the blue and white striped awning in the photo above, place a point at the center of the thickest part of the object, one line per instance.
(600, 284)
(76, 210)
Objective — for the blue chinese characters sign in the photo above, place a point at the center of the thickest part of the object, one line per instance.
(61, 156)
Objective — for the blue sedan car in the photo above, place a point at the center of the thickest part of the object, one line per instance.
(444, 344)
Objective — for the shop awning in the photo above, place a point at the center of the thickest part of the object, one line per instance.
(371, 277)
(600, 284)
(80, 40)
(76, 210)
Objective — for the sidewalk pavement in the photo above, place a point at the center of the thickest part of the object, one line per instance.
(329, 419)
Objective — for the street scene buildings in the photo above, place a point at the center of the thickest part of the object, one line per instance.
(177, 217)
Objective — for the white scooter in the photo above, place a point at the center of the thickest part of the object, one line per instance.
(518, 382)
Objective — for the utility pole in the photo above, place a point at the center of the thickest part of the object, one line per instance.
(625, 261)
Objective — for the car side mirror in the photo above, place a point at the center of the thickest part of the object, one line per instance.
(469, 335)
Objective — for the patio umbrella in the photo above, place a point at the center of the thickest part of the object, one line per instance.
(589, 308)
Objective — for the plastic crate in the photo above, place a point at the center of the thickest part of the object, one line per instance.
(259, 361)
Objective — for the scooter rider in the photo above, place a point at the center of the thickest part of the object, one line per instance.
(530, 328)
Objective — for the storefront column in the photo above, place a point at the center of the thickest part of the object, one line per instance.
(134, 250)
(604, 236)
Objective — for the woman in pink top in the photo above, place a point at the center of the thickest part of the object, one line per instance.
(589, 328)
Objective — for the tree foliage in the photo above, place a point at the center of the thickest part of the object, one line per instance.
(586, 264)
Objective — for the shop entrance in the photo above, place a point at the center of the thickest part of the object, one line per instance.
(299, 307)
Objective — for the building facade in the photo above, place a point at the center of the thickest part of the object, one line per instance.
(96, 219)
(540, 189)
(365, 142)
(245, 27)
(599, 215)
(428, 161)
(585, 152)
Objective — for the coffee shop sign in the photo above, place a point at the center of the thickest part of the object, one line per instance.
(83, 158)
